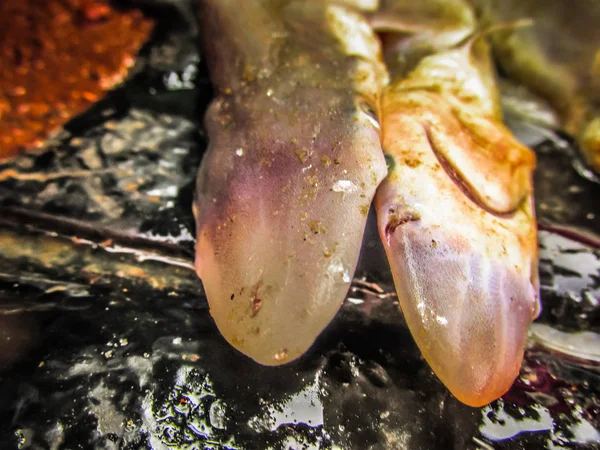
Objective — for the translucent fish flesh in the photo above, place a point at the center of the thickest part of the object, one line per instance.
(292, 166)
(456, 216)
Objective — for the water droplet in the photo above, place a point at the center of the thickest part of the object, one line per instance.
(346, 186)
(337, 269)
(441, 320)
(239, 152)
(217, 415)
(281, 356)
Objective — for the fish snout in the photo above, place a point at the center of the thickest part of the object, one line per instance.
(467, 311)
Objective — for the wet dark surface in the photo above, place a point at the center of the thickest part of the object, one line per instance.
(106, 340)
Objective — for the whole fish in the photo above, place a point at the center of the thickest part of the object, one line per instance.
(557, 57)
(455, 213)
(292, 166)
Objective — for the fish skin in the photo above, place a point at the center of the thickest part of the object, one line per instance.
(557, 57)
(293, 162)
(413, 30)
(456, 218)
(430, 22)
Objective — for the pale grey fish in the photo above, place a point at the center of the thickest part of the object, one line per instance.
(293, 162)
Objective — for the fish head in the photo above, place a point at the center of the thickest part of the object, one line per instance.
(461, 245)
(281, 205)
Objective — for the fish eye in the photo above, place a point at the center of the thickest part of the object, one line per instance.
(390, 162)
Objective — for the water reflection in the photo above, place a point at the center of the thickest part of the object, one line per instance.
(583, 344)
(302, 407)
(570, 267)
(552, 404)
(498, 424)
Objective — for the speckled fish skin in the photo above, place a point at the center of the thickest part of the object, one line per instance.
(558, 57)
(293, 162)
(423, 27)
(456, 218)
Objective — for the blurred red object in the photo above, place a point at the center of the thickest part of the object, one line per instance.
(59, 57)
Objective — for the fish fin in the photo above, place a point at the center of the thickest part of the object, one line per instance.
(463, 276)
(485, 30)
(484, 159)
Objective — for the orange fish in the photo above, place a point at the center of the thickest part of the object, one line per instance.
(455, 213)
